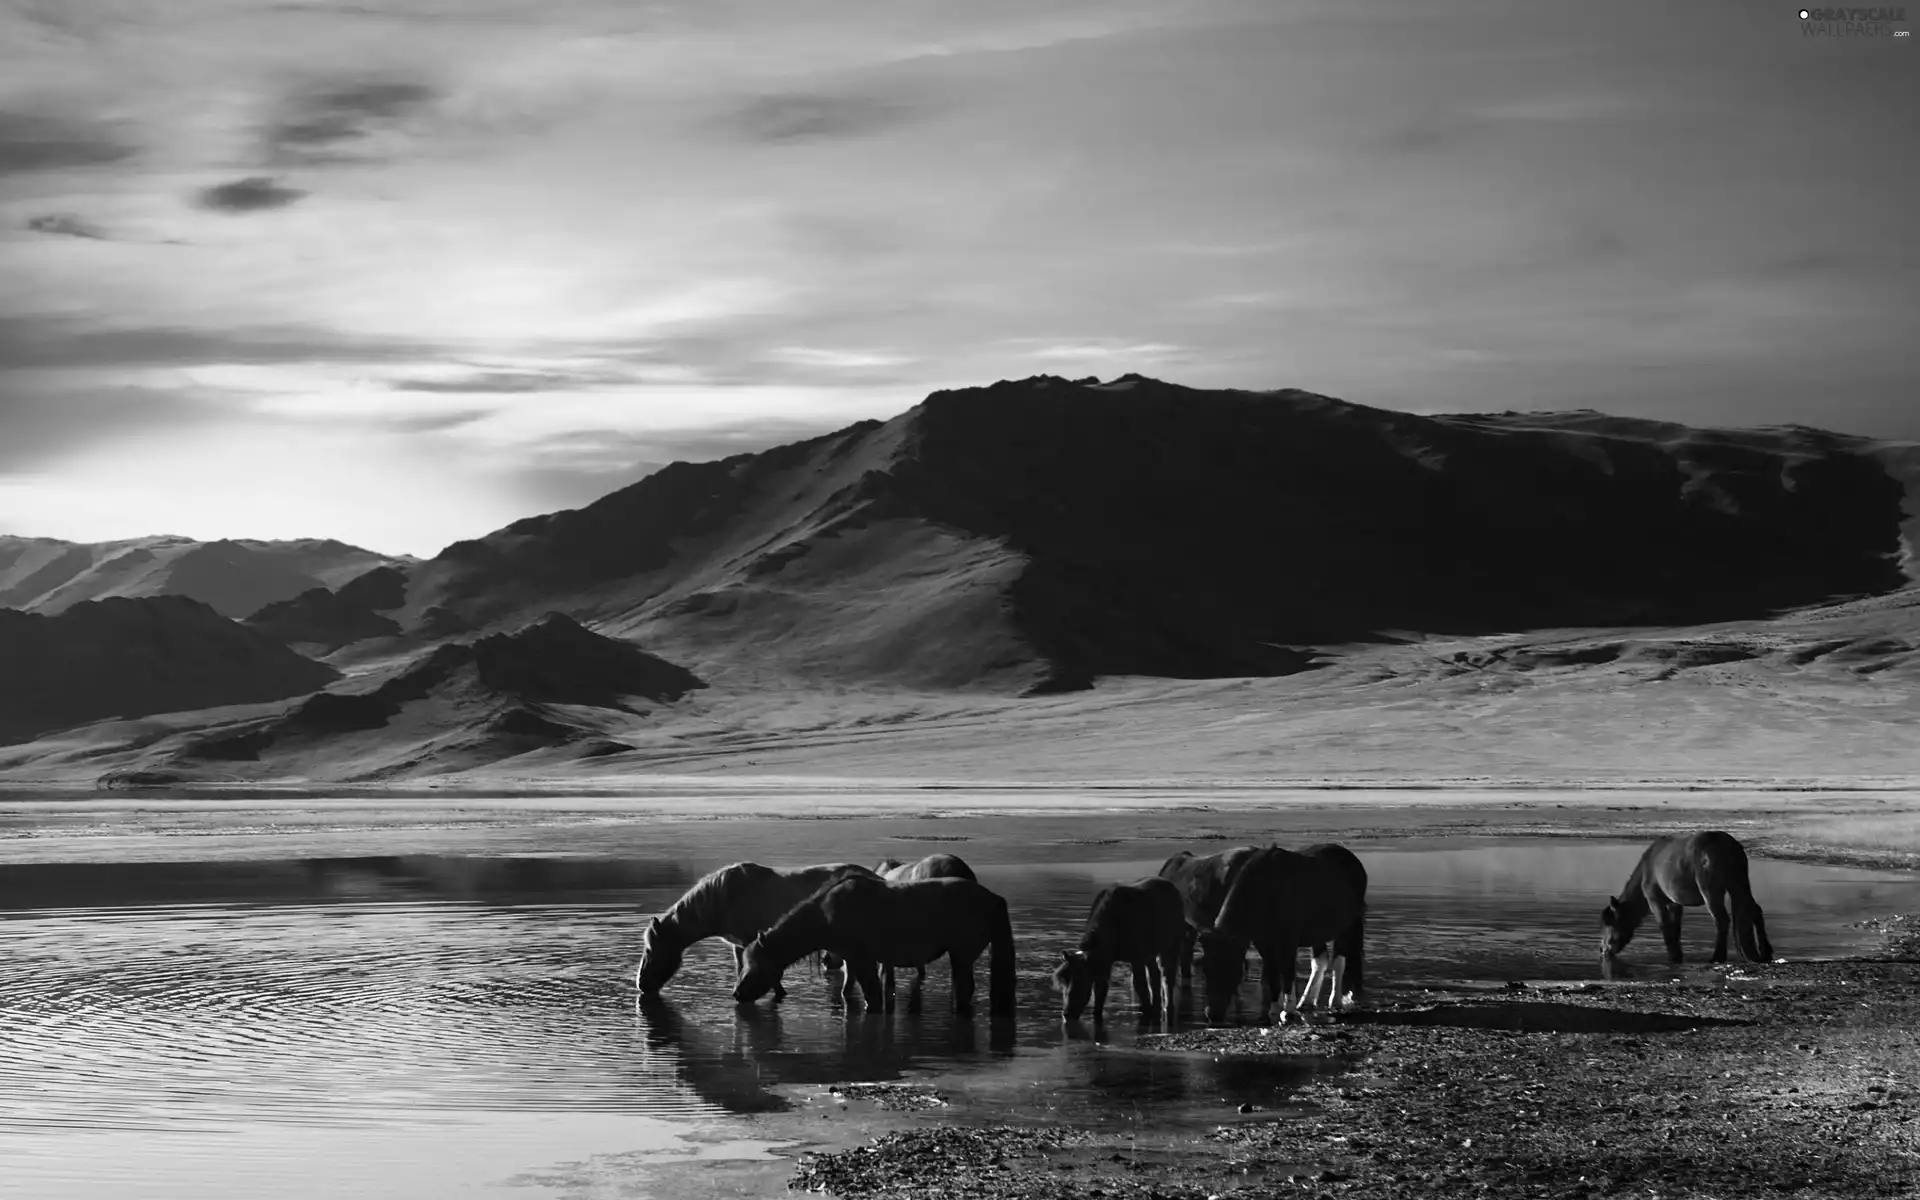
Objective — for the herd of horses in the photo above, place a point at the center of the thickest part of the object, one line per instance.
(866, 922)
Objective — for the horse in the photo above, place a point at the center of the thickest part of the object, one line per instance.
(1144, 924)
(1686, 871)
(1203, 884)
(867, 922)
(736, 903)
(895, 870)
(1278, 902)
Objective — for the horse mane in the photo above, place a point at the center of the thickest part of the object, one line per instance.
(699, 906)
(888, 864)
(801, 922)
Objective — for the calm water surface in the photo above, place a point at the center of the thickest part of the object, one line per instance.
(447, 1024)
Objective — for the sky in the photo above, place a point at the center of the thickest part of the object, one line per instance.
(402, 271)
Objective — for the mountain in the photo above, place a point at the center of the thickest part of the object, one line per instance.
(234, 577)
(552, 683)
(124, 658)
(322, 619)
(1043, 533)
(1074, 580)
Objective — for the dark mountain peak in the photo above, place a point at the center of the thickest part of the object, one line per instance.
(130, 657)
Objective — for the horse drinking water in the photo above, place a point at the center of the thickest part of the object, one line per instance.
(1203, 884)
(1280, 901)
(735, 903)
(1144, 924)
(1686, 871)
(894, 870)
(867, 922)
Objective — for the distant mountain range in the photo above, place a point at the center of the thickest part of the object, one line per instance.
(235, 578)
(1031, 539)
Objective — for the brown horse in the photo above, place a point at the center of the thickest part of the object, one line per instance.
(1203, 884)
(894, 870)
(868, 922)
(1686, 871)
(1278, 902)
(735, 903)
(1143, 924)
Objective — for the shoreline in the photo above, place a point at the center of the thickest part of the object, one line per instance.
(1745, 1080)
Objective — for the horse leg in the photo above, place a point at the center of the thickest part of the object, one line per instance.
(1100, 981)
(962, 983)
(1316, 970)
(1337, 999)
(1722, 924)
(1277, 975)
(867, 972)
(1668, 914)
(1142, 987)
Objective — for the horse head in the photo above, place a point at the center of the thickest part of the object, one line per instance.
(758, 973)
(1073, 978)
(659, 959)
(1223, 964)
(1614, 932)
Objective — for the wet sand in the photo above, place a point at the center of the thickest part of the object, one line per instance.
(1794, 1080)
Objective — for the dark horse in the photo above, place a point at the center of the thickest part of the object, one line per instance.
(868, 922)
(1280, 901)
(736, 903)
(894, 870)
(1203, 884)
(1686, 871)
(1144, 924)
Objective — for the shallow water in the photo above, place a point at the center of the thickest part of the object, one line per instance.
(440, 1024)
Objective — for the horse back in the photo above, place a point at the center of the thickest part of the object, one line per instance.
(1315, 897)
(1129, 920)
(1204, 881)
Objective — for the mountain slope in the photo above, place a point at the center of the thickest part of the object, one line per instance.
(121, 658)
(235, 578)
(1050, 532)
(550, 684)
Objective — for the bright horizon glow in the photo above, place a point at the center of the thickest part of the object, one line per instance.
(401, 272)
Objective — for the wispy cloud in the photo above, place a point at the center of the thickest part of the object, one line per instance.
(256, 193)
(851, 360)
(33, 141)
(341, 122)
(1105, 351)
(66, 225)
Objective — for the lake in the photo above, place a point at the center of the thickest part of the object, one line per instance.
(289, 1014)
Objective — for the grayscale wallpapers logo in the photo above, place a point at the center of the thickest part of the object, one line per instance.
(1853, 22)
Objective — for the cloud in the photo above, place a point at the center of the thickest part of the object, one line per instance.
(67, 225)
(1079, 351)
(253, 194)
(56, 342)
(47, 420)
(39, 142)
(821, 116)
(502, 382)
(329, 124)
(848, 360)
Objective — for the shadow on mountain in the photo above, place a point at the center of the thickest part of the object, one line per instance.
(1041, 534)
(495, 697)
(125, 658)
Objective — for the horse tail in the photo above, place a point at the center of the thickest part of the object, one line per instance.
(1000, 978)
(1749, 923)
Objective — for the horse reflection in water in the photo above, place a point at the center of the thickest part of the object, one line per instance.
(738, 1062)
